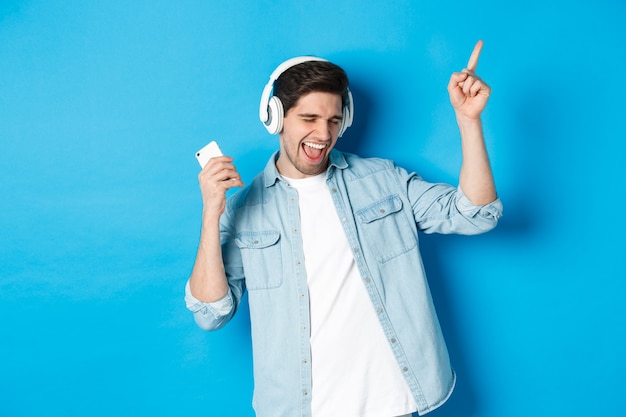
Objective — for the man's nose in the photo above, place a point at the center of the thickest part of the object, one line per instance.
(324, 129)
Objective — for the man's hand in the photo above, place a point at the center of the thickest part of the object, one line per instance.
(468, 92)
(218, 176)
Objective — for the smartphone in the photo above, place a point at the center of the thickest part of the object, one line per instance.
(209, 151)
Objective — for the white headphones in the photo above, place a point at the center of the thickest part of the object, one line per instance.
(271, 110)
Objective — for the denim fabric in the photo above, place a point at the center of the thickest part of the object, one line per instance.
(382, 207)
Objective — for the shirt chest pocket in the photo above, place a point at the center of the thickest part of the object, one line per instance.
(389, 231)
(262, 262)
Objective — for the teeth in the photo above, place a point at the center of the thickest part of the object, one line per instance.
(315, 145)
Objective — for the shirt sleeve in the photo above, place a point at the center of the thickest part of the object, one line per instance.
(209, 316)
(492, 210)
(443, 208)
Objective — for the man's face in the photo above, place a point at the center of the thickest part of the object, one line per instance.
(310, 130)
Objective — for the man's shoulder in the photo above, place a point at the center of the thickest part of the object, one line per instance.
(360, 166)
(249, 194)
(367, 160)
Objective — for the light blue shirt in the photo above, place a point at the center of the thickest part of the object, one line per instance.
(381, 207)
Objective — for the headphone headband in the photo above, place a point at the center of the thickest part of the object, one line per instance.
(271, 109)
(292, 63)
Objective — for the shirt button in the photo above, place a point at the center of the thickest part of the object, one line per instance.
(367, 280)
(393, 340)
(380, 310)
(405, 369)
(334, 190)
(355, 250)
(343, 219)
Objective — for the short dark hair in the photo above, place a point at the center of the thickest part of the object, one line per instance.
(310, 76)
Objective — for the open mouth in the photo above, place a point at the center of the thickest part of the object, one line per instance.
(314, 152)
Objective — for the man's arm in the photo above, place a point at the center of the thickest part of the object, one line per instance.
(469, 95)
(208, 279)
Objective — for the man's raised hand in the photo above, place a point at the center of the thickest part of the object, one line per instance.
(216, 178)
(468, 92)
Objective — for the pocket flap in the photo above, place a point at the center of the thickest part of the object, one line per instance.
(380, 209)
(257, 240)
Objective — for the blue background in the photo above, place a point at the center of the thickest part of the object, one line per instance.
(103, 104)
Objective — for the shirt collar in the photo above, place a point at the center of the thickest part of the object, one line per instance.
(271, 175)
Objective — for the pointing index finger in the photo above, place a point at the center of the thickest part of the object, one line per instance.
(473, 61)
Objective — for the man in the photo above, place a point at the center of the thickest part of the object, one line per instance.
(326, 243)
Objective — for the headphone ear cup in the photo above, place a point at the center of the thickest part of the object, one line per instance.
(348, 114)
(342, 127)
(345, 121)
(275, 114)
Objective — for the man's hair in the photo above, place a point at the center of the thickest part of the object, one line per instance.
(307, 77)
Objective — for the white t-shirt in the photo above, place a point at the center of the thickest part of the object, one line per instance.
(354, 372)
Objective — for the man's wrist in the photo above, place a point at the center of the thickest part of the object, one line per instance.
(468, 122)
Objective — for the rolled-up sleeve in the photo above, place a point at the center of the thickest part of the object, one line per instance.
(487, 216)
(210, 316)
(443, 208)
